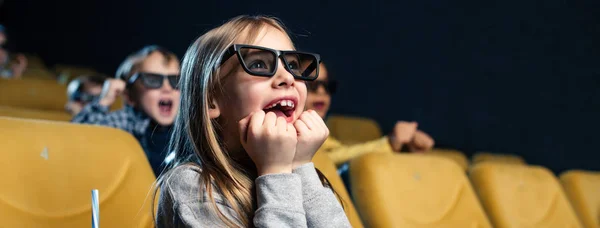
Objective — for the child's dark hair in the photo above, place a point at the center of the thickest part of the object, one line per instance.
(131, 64)
(78, 85)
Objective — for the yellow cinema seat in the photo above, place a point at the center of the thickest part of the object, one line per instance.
(49, 169)
(583, 190)
(501, 158)
(38, 94)
(33, 94)
(522, 196)
(453, 155)
(353, 130)
(34, 114)
(39, 74)
(67, 72)
(327, 167)
(404, 190)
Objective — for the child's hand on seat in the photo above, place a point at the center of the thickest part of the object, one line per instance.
(421, 142)
(312, 132)
(406, 133)
(269, 141)
(110, 90)
(402, 133)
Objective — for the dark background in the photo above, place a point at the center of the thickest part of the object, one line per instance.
(507, 76)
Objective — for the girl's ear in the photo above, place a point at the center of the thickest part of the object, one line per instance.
(213, 109)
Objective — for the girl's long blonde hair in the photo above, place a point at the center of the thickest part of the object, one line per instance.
(196, 139)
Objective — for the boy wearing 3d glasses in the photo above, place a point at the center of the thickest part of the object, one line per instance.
(147, 80)
(82, 91)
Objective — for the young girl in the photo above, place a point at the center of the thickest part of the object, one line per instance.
(243, 143)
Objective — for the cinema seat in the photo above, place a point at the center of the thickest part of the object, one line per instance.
(327, 167)
(38, 74)
(33, 94)
(34, 114)
(49, 169)
(352, 130)
(404, 190)
(71, 72)
(500, 158)
(522, 196)
(38, 94)
(583, 190)
(453, 155)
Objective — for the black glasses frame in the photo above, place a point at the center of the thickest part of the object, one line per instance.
(139, 75)
(235, 49)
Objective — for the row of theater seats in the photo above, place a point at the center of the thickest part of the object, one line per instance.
(433, 189)
(430, 190)
(36, 98)
(398, 190)
(48, 183)
(37, 69)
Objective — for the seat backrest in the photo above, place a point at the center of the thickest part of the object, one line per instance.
(327, 167)
(454, 155)
(38, 74)
(33, 94)
(500, 158)
(49, 169)
(38, 94)
(412, 190)
(352, 130)
(522, 196)
(34, 114)
(71, 72)
(583, 190)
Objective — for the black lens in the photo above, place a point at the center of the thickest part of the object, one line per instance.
(302, 65)
(152, 81)
(259, 61)
(174, 81)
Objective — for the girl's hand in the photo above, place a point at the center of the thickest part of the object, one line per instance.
(269, 141)
(312, 132)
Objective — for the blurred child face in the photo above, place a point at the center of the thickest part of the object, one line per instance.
(159, 104)
(75, 106)
(319, 100)
(245, 93)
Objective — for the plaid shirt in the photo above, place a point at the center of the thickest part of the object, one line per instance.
(127, 119)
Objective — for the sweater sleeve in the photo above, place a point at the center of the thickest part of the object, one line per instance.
(279, 201)
(341, 154)
(320, 203)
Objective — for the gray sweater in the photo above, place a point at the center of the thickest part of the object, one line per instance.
(298, 199)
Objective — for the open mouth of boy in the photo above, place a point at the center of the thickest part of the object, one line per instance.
(165, 107)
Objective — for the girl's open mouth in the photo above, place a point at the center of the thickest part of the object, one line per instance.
(282, 108)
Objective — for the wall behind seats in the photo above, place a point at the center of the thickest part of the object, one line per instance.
(507, 76)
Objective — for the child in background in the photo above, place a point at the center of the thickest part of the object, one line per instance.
(148, 80)
(82, 91)
(8, 69)
(404, 135)
(243, 141)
